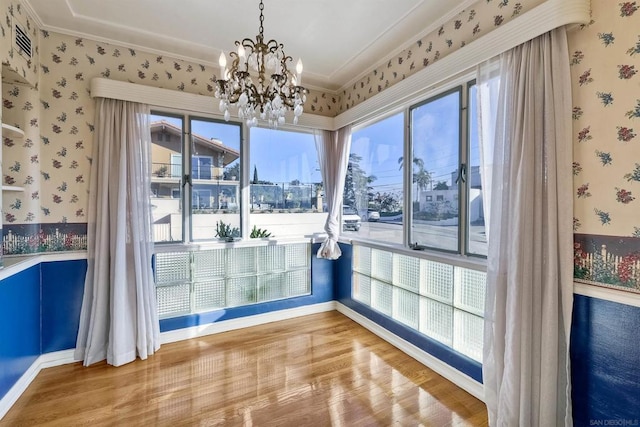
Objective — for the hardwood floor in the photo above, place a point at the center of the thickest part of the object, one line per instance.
(317, 370)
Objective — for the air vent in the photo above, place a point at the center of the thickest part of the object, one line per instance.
(23, 41)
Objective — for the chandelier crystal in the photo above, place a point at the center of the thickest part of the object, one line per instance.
(275, 91)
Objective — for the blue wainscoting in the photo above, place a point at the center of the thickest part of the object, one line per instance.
(605, 361)
(321, 291)
(62, 291)
(19, 325)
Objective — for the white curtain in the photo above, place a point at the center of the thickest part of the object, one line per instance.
(529, 268)
(333, 153)
(119, 319)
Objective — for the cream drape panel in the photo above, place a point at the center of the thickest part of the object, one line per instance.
(119, 319)
(529, 267)
(333, 154)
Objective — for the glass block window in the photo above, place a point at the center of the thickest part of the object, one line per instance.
(406, 272)
(208, 264)
(209, 295)
(469, 290)
(174, 299)
(467, 334)
(381, 296)
(406, 307)
(437, 281)
(362, 288)
(442, 301)
(436, 320)
(196, 281)
(362, 260)
(172, 267)
(381, 265)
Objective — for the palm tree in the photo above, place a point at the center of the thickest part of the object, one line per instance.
(416, 161)
(422, 178)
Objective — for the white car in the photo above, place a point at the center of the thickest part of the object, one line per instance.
(350, 219)
(373, 216)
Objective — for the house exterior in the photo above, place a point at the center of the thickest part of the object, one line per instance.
(445, 201)
(215, 186)
(208, 162)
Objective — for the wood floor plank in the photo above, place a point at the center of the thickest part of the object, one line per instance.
(318, 370)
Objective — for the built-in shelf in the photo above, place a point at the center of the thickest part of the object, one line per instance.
(12, 131)
(12, 188)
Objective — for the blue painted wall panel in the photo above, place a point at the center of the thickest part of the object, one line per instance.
(62, 291)
(19, 325)
(321, 291)
(605, 361)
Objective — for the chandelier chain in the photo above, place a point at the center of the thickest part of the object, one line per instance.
(261, 29)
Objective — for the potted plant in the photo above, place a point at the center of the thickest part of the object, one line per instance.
(225, 232)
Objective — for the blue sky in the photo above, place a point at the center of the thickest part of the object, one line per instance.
(381, 145)
(282, 156)
(279, 156)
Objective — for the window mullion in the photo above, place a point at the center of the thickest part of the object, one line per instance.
(245, 190)
(187, 186)
(407, 179)
(464, 174)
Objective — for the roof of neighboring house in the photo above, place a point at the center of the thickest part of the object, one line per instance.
(230, 154)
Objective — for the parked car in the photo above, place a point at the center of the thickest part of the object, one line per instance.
(350, 219)
(373, 216)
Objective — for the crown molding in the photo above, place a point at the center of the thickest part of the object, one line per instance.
(443, 20)
(539, 20)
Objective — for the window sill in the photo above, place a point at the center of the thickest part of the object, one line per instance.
(474, 263)
(219, 244)
(14, 264)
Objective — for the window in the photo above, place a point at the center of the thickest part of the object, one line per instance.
(374, 181)
(443, 192)
(215, 177)
(435, 137)
(447, 190)
(166, 177)
(213, 172)
(286, 195)
(201, 166)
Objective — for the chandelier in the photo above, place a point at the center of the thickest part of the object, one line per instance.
(275, 91)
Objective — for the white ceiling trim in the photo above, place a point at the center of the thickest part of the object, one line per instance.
(372, 42)
(446, 18)
(541, 19)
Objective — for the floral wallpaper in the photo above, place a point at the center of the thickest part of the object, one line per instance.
(467, 26)
(605, 65)
(52, 161)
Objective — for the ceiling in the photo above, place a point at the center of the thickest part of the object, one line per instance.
(338, 40)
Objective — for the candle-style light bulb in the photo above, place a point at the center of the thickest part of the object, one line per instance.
(222, 61)
(299, 72)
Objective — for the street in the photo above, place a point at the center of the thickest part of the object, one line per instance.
(426, 234)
